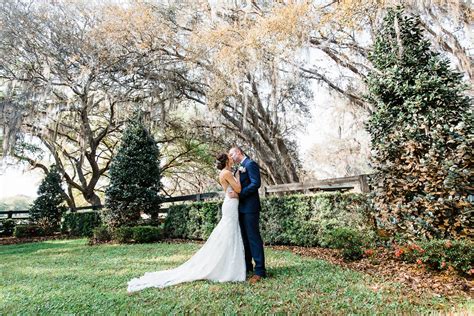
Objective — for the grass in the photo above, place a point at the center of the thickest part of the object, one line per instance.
(69, 277)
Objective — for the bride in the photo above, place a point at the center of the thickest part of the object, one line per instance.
(222, 257)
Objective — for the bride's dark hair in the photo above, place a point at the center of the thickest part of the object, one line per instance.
(221, 161)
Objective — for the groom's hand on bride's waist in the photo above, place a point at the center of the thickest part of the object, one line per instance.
(233, 195)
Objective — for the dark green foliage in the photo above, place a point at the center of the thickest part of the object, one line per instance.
(146, 234)
(351, 241)
(422, 135)
(134, 178)
(137, 234)
(305, 219)
(80, 224)
(192, 221)
(100, 234)
(28, 231)
(292, 220)
(441, 254)
(122, 234)
(47, 210)
(6, 227)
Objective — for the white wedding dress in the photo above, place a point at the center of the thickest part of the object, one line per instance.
(220, 259)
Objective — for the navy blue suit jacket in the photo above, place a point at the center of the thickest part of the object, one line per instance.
(249, 201)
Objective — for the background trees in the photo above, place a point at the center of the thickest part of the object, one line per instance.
(61, 100)
(246, 72)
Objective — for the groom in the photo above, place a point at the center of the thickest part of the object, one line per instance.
(249, 213)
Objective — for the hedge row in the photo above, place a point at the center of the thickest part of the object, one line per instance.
(80, 224)
(28, 230)
(304, 220)
(125, 234)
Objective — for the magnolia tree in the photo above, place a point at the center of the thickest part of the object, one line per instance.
(421, 132)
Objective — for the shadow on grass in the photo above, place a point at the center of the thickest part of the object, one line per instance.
(29, 248)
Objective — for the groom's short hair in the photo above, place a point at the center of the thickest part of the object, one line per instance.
(239, 149)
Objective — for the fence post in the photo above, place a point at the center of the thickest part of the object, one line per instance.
(364, 185)
(10, 214)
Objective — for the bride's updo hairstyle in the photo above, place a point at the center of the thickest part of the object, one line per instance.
(221, 161)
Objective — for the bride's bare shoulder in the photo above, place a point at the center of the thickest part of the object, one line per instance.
(224, 173)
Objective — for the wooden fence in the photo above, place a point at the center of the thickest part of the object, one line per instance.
(355, 183)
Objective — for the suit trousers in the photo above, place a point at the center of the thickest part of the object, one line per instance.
(253, 243)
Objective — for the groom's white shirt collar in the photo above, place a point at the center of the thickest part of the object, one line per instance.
(243, 160)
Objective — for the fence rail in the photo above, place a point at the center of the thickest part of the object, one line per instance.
(336, 184)
(357, 183)
(10, 213)
(192, 197)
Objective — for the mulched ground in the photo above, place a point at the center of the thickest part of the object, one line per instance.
(417, 279)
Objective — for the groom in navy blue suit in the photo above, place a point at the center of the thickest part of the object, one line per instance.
(249, 213)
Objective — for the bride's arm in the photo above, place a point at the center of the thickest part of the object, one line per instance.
(233, 182)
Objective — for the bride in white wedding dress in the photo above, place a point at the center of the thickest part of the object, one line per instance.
(221, 258)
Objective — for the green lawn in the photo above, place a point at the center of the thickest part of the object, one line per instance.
(69, 277)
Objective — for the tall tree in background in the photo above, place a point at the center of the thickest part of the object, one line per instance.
(188, 156)
(72, 71)
(258, 94)
(61, 100)
(255, 85)
(47, 210)
(69, 90)
(135, 178)
(422, 134)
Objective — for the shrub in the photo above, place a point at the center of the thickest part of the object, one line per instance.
(28, 230)
(192, 221)
(146, 234)
(421, 133)
(304, 220)
(100, 234)
(137, 234)
(440, 254)
(7, 227)
(80, 224)
(352, 242)
(122, 234)
(46, 210)
(134, 178)
(293, 220)
(290, 220)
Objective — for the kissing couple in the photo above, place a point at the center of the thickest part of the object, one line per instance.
(228, 252)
